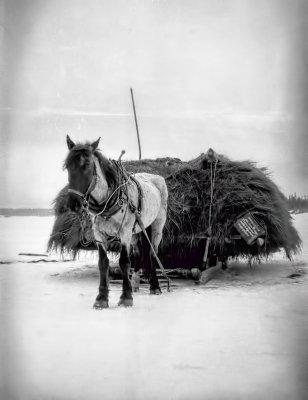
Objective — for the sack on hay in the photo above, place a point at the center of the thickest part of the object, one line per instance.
(238, 188)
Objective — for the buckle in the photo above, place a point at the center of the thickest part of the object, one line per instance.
(132, 207)
(120, 202)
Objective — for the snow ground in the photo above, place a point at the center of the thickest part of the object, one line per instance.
(243, 335)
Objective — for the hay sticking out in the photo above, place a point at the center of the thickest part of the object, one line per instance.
(68, 230)
(239, 187)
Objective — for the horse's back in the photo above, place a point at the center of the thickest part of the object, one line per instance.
(151, 184)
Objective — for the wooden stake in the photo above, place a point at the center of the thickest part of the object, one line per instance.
(206, 252)
(139, 145)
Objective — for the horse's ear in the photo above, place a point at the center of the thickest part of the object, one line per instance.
(94, 145)
(70, 143)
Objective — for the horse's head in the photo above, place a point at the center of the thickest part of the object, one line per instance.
(81, 171)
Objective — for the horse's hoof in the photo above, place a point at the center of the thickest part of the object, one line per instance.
(224, 266)
(135, 282)
(155, 291)
(125, 302)
(100, 304)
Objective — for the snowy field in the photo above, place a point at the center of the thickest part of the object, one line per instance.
(243, 335)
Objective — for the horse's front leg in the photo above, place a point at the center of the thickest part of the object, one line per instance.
(135, 259)
(126, 298)
(103, 264)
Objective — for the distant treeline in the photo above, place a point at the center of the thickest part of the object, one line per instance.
(26, 212)
(298, 203)
(295, 203)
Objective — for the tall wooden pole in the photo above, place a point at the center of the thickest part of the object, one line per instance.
(138, 137)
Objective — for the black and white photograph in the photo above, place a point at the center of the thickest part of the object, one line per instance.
(153, 199)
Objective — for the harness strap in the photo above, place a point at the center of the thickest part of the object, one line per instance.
(140, 195)
(76, 192)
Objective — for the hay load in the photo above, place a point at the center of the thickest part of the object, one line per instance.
(234, 203)
(241, 192)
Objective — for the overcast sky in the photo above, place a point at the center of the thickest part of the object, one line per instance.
(227, 74)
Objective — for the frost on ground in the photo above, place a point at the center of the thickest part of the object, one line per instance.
(243, 335)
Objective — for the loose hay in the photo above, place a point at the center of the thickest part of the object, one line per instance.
(68, 229)
(239, 187)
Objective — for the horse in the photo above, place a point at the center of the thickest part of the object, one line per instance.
(120, 207)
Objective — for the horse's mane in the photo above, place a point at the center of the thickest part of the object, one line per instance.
(85, 149)
(108, 167)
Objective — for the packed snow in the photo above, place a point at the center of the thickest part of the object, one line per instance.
(242, 335)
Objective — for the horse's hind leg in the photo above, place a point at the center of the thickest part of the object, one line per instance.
(103, 264)
(157, 233)
(126, 298)
(156, 236)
